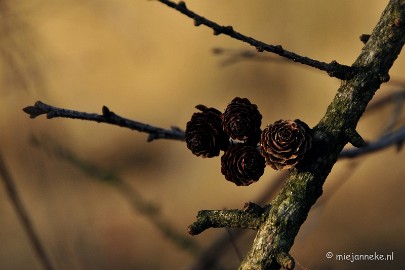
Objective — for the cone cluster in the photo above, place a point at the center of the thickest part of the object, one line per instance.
(247, 149)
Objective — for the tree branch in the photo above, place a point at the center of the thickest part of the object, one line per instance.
(134, 197)
(277, 229)
(303, 187)
(394, 138)
(108, 117)
(248, 218)
(23, 216)
(39, 108)
(334, 69)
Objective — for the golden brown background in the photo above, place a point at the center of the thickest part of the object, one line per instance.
(149, 63)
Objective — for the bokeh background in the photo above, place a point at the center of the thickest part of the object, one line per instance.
(101, 197)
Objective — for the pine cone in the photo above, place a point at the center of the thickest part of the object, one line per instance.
(285, 142)
(242, 164)
(204, 135)
(242, 120)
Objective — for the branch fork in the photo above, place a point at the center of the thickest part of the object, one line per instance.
(354, 138)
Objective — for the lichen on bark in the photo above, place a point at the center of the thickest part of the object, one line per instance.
(303, 187)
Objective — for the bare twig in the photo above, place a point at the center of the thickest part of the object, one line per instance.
(333, 68)
(175, 133)
(394, 138)
(23, 216)
(109, 117)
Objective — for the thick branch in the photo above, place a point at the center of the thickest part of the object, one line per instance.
(108, 117)
(278, 228)
(334, 69)
(304, 185)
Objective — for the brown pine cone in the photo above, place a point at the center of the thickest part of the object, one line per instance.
(284, 143)
(242, 164)
(204, 135)
(242, 120)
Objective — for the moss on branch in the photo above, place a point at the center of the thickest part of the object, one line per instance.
(249, 218)
(304, 184)
(276, 231)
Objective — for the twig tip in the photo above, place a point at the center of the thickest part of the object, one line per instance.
(35, 110)
(106, 111)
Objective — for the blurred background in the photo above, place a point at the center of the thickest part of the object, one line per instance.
(101, 197)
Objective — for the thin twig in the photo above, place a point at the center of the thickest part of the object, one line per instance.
(394, 138)
(175, 133)
(334, 69)
(23, 216)
(108, 117)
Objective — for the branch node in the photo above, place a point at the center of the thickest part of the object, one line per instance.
(197, 22)
(354, 138)
(253, 208)
(398, 22)
(285, 260)
(38, 109)
(106, 111)
(364, 38)
(278, 49)
(223, 30)
(181, 6)
(259, 49)
(384, 77)
(340, 71)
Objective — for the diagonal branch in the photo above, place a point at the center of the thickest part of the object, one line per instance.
(108, 117)
(23, 216)
(303, 187)
(134, 197)
(334, 69)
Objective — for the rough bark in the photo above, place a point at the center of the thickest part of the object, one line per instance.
(303, 187)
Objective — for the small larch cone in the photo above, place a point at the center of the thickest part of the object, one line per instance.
(242, 164)
(242, 120)
(284, 143)
(204, 134)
